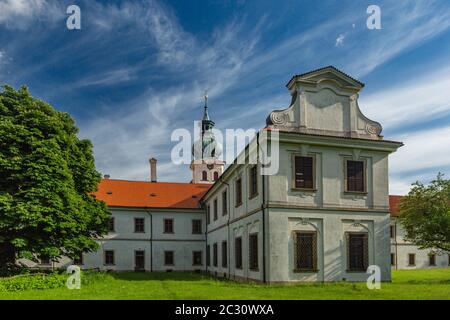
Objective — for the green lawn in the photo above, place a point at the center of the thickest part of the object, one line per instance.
(414, 284)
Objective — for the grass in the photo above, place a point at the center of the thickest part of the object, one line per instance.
(406, 284)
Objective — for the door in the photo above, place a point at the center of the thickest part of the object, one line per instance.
(139, 260)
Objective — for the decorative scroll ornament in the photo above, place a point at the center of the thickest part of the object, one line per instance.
(373, 128)
(279, 118)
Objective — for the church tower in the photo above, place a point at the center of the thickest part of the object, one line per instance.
(206, 166)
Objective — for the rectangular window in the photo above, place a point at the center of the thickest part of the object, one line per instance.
(168, 225)
(224, 203)
(208, 262)
(197, 226)
(169, 258)
(304, 172)
(139, 260)
(109, 257)
(215, 254)
(432, 259)
(208, 214)
(253, 179)
(357, 251)
(215, 209)
(392, 231)
(196, 258)
(238, 192)
(224, 254)
(78, 260)
(355, 176)
(111, 224)
(253, 251)
(411, 259)
(44, 260)
(238, 253)
(392, 259)
(139, 225)
(305, 244)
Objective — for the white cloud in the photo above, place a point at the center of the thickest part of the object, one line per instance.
(425, 97)
(339, 40)
(19, 14)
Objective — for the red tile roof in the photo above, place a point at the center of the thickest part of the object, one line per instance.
(144, 194)
(394, 201)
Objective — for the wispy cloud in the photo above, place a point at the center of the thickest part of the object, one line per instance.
(339, 40)
(19, 14)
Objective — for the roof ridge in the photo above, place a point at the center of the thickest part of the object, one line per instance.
(160, 182)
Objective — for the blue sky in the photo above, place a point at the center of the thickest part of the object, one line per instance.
(137, 69)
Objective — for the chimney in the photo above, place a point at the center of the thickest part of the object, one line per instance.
(153, 169)
(106, 176)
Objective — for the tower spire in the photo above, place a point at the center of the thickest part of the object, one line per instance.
(205, 113)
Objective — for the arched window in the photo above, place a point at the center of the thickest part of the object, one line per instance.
(216, 176)
(205, 176)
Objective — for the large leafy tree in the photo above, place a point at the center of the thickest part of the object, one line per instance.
(425, 215)
(47, 177)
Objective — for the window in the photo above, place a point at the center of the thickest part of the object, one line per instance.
(357, 251)
(449, 259)
(238, 192)
(355, 176)
(253, 178)
(432, 259)
(208, 214)
(78, 259)
(224, 254)
(205, 176)
(45, 260)
(224, 203)
(215, 254)
(196, 258)
(168, 225)
(304, 172)
(168, 258)
(109, 257)
(392, 231)
(139, 260)
(111, 224)
(253, 251)
(305, 255)
(411, 259)
(208, 262)
(196, 226)
(216, 176)
(238, 253)
(215, 209)
(392, 259)
(139, 225)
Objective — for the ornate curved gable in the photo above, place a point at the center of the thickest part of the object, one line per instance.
(325, 102)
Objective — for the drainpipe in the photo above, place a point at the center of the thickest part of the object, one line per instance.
(263, 207)
(151, 240)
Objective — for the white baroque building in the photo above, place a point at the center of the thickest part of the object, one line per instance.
(324, 216)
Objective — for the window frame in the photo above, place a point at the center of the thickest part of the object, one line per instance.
(313, 268)
(216, 176)
(413, 255)
(208, 255)
(204, 175)
(79, 261)
(199, 221)
(253, 193)
(314, 168)
(200, 253)
(172, 223)
(165, 257)
(215, 255)
(253, 257)
(431, 257)
(224, 202)
(208, 214)
(236, 198)
(215, 209)
(365, 176)
(112, 222)
(113, 263)
(366, 253)
(393, 259)
(224, 254)
(136, 224)
(236, 255)
(392, 231)
(143, 258)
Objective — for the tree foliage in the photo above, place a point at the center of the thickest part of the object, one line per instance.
(425, 214)
(47, 177)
